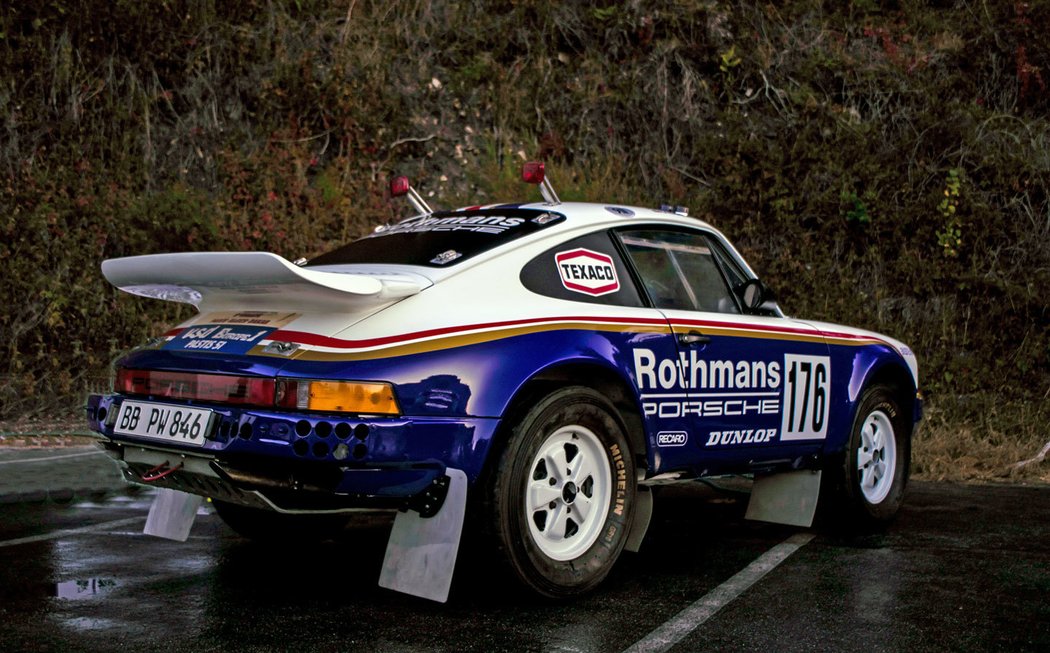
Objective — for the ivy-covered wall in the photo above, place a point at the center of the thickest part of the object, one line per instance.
(882, 164)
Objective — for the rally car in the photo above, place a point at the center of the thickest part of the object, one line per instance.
(529, 369)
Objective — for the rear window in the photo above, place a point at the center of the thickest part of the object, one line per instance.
(441, 239)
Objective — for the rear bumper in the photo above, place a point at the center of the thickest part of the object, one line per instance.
(301, 461)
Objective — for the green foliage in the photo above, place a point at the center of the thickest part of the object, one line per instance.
(857, 210)
(884, 165)
(728, 60)
(950, 237)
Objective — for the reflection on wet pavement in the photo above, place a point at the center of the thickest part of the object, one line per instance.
(85, 578)
(83, 589)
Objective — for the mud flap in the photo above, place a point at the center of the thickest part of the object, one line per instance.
(789, 498)
(421, 552)
(643, 512)
(172, 514)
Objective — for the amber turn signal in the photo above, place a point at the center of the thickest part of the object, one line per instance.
(347, 397)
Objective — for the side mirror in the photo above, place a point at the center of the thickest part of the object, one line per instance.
(753, 293)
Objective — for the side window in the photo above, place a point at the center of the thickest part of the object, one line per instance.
(679, 270)
(585, 269)
(734, 273)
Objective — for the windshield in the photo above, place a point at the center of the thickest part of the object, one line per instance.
(441, 239)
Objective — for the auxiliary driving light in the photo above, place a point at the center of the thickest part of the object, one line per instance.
(533, 172)
(401, 187)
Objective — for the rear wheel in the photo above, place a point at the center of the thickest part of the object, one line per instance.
(269, 526)
(563, 493)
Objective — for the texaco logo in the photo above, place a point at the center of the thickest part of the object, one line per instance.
(587, 272)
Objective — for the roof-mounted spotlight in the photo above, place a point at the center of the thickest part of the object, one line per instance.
(677, 210)
(399, 186)
(533, 173)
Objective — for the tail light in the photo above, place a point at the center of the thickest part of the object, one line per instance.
(360, 397)
(341, 397)
(227, 389)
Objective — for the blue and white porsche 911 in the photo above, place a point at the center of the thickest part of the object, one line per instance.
(529, 370)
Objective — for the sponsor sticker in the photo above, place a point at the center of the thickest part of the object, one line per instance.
(228, 339)
(587, 272)
(672, 438)
(274, 319)
(230, 332)
(486, 224)
(748, 436)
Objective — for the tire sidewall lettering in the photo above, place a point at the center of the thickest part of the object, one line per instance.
(878, 399)
(591, 566)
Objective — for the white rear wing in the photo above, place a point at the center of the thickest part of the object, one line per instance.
(256, 281)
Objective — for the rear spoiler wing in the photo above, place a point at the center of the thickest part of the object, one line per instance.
(255, 281)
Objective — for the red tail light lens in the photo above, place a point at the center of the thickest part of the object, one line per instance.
(227, 389)
(361, 397)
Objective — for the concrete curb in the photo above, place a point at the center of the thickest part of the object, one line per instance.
(57, 474)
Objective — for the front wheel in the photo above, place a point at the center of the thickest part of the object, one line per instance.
(869, 488)
(562, 494)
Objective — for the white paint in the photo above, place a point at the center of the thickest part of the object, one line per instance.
(67, 532)
(685, 622)
(172, 514)
(787, 498)
(47, 458)
(421, 553)
(217, 281)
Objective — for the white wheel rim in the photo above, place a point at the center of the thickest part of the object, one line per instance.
(567, 493)
(877, 457)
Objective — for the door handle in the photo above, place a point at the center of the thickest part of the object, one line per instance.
(693, 338)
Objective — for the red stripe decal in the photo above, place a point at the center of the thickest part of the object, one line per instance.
(316, 340)
(304, 338)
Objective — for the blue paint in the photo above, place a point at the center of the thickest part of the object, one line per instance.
(453, 400)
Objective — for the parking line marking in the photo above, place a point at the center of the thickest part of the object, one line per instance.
(72, 531)
(678, 627)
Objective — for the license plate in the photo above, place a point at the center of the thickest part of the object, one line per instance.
(175, 424)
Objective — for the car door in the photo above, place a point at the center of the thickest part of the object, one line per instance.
(750, 387)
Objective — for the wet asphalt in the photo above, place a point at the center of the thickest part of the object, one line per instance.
(964, 568)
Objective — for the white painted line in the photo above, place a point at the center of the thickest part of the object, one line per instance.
(47, 458)
(678, 627)
(72, 531)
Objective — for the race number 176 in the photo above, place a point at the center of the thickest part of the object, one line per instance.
(807, 382)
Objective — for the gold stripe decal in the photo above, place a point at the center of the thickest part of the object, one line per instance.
(334, 349)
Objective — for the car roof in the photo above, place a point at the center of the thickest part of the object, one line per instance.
(598, 214)
(580, 218)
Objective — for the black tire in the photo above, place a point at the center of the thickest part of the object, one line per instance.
(561, 532)
(865, 491)
(274, 527)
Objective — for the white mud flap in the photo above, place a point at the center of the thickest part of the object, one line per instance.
(789, 498)
(643, 513)
(421, 552)
(172, 514)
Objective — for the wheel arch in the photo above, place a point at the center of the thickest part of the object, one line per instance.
(893, 374)
(899, 378)
(590, 374)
